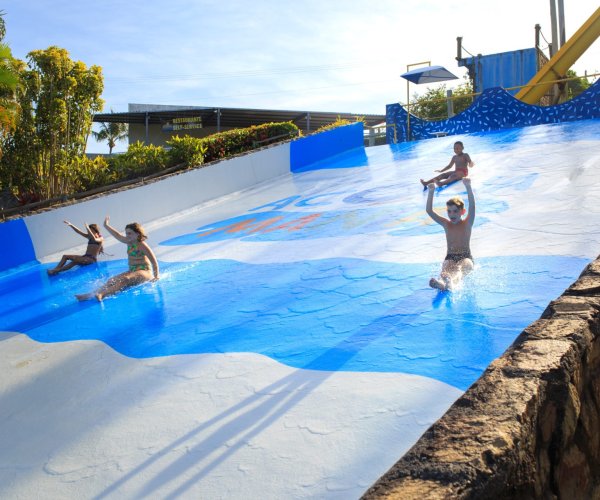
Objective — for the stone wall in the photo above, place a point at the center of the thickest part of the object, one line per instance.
(529, 427)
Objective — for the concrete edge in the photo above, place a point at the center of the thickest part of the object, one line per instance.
(528, 427)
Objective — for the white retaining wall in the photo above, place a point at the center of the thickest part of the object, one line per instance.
(157, 199)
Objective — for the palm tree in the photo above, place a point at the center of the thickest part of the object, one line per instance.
(112, 133)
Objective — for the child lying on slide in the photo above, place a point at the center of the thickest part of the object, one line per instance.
(461, 161)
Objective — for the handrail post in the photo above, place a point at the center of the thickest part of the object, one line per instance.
(449, 103)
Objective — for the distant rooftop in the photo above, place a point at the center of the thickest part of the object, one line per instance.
(307, 121)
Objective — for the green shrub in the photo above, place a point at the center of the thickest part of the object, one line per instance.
(187, 149)
(140, 160)
(232, 142)
(339, 122)
(194, 151)
(84, 173)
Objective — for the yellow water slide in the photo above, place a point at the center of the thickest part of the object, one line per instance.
(558, 65)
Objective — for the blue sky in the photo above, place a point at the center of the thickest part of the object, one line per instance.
(315, 55)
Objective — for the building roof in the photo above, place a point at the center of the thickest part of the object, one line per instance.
(307, 121)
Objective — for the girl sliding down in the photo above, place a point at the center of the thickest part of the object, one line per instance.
(94, 248)
(143, 265)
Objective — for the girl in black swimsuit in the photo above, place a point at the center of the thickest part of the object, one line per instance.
(94, 248)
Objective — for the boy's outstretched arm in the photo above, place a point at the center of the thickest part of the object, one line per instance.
(471, 198)
(446, 167)
(429, 206)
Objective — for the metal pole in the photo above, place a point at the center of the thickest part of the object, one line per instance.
(407, 109)
(408, 134)
(449, 103)
(561, 23)
(553, 45)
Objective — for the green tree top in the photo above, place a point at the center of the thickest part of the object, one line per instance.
(58, 100)
(433, 104)
(576, 86)
(66, 96)
(9, 82)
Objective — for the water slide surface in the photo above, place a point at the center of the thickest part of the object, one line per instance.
(558, 65)
(292, 347)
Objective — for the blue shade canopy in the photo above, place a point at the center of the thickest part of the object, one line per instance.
(429, 74)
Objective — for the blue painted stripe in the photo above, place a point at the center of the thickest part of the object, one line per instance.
(16, 248)
(328, 314)
(315, 148)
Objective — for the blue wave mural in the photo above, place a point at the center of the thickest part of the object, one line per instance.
(494, 109)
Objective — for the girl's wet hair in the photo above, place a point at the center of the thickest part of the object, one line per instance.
(136, 227)
(457, 202)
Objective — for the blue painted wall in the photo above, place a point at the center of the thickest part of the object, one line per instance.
(507, 69)
(494, 109)
(317, 147)
(16, 248)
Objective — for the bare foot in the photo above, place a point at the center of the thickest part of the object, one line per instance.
(84, 296)
(99, 297)
(435, 283)
(52, 272)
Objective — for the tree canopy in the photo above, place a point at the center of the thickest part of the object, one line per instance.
(577, 85)
(58, 100)
(433, 104)
(9, 81)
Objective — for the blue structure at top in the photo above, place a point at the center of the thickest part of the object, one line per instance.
(494, 109)
(506, 69)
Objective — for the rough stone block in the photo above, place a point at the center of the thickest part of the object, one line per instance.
(588, 284)
(573, 474)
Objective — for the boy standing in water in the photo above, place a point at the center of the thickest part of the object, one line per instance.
(458, 261)
(461, 161)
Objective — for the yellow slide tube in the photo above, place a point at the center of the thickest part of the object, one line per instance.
(557, 67)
